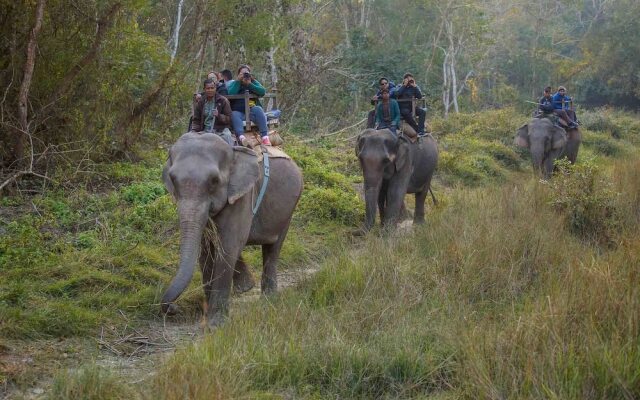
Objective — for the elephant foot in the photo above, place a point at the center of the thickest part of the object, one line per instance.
(169, 309)
(243, 283)
(359, 232)
(418, 220)
(269, 285)
(216, 320)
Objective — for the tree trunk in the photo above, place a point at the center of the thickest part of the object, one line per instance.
(176, 33)
(23, 97)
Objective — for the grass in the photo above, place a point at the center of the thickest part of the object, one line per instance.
(506, 292)
(494, 298)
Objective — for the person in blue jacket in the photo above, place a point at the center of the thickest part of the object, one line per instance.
(559, 100)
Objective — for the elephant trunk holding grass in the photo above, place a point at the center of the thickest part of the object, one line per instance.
(548, 142)
(215, 187)
(393, 166)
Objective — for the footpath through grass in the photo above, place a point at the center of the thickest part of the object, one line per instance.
(513, 288)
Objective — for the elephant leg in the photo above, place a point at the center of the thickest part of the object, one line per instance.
(270, 256)
(234, 228)
(418, 216)
(395, 198)
(242, 278)
(548, 163)
(404, 213)
(382, 198)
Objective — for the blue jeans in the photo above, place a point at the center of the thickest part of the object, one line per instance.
(391, 127)
(256, 114)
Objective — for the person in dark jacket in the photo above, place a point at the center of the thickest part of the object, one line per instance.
(383, 84)
(212, 113)
(545, 105)
(246, 82)
(409, 90)
(387, 112)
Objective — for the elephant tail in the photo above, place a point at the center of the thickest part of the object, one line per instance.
(433, 197)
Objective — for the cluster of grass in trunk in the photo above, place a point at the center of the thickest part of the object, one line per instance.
(493, 298)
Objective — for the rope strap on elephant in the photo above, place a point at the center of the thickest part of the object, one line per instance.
(265, 182)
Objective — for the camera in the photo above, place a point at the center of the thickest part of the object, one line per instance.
(412, 81)
(246, 75)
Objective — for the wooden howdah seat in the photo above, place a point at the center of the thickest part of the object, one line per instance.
(248, 124)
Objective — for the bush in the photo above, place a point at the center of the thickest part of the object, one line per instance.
(588, 200)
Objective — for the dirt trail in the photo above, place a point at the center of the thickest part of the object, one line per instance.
(142, 350)
(132, 350)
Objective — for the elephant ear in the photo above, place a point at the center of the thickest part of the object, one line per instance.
(402, 157)
(522, 136)
(167, 179)
(559, 138)
(244, 173)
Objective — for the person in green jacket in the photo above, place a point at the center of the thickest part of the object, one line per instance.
(387, 113)
(243, 83)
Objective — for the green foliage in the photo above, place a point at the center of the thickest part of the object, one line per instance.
(589, 201)
(143, 193)
(477, 148)
(329, 193)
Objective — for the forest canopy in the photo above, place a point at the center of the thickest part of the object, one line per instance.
(109, 75)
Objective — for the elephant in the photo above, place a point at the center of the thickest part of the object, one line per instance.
(548, 142)
(393, 166)
(215, 187)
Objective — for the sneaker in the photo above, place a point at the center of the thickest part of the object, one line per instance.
(421, 134)
(242, 140)
(266, 141)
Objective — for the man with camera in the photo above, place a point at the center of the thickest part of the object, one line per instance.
(409, 90)
(245, 82)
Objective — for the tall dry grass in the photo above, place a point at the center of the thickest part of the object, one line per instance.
(494, 297)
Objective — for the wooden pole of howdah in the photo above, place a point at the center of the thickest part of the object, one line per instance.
(246, 96)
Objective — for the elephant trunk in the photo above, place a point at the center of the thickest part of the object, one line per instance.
(537, 158)
(193, 217)
(372, 186)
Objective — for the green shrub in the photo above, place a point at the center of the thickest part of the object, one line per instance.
(143, 193)
(342, 206)
(589, 201)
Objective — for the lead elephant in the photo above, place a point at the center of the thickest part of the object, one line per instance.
(215, 187)
(548, 142)
(393, 166)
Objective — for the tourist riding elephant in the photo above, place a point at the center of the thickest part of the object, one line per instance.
(548, 142)
(216, 187)
(393, 166)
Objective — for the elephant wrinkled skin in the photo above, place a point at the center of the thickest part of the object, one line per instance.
(393, 166)
(548, 142)
(215, 187)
